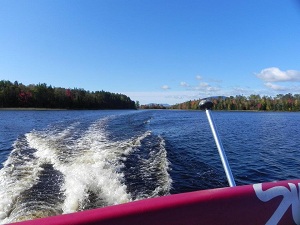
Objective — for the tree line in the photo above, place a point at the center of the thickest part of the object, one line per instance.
(153, 106)
(15, 95)
(287, 102)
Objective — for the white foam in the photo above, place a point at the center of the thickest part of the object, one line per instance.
(20, 171)
(97, 170)
(158, 164)
(89, 164)
(16, 177)
(163, 163)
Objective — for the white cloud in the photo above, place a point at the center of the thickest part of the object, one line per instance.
(165, 87)
(184, 84)
(206, 88)
(283, 89)
(274, 74)
(204, 84)
(198, 77)
(275, 87)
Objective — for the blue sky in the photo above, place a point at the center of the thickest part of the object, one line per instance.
(153, 50)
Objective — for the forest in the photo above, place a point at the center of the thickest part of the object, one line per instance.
(280, 102)
(17, 95)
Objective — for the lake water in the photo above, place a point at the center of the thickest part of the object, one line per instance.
(55, 162)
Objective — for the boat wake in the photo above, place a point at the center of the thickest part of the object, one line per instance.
(65, 169)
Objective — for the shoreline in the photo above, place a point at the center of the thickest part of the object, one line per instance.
(50, 109)
(30, 109)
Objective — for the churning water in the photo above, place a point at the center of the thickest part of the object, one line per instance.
(57, 162)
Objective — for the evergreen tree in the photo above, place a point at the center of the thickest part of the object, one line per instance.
(42, 96)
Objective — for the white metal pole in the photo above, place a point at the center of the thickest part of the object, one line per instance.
(222, 154)
(207, 105)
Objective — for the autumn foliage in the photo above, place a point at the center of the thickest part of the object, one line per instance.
(14, 95)
(287, 102)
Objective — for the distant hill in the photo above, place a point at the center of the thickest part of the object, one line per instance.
(155, 106)
(216, 97)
